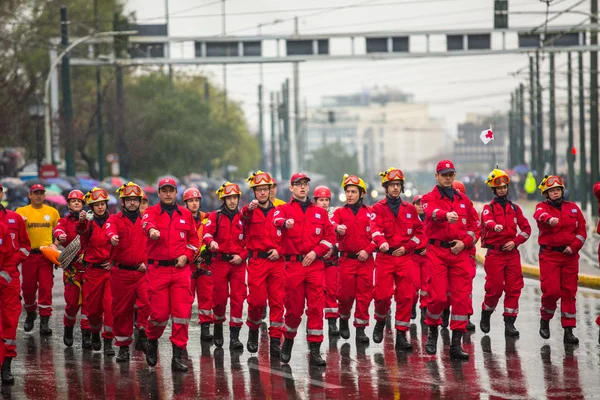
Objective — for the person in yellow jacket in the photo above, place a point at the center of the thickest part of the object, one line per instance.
(273, 194)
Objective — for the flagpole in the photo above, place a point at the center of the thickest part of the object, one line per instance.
(494, 148)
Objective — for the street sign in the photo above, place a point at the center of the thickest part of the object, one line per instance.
(48, 171)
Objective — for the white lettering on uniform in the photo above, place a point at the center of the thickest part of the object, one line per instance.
(409, 231)
(182, 221)
(11, 221)
(318, 231)
(464, 221)
(318, 216)
(408, 215)
(462, 206)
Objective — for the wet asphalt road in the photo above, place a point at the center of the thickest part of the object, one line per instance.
(529, 367)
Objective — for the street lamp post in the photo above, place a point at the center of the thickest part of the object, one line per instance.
(37, 111)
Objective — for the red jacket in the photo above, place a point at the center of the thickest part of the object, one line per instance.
(510, 217)
(131, 249)
(261, 234)
(360, 229)
(94, 245)
(596, 190)
(6, 250)
(68, 225)
(312, 230)
(437, 226)
(570, 230)
(404, 230)
(230, 235)
(178, 234)
(19, 237)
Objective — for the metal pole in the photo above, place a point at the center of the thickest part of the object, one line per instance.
(296, 142)
(582, 157)
(532, 128)
(511, 132)
(124, 165)
(99, 100)
(273, 136)
(279, 138)
(285, 143)
(168, 44)
(38, 142)
(593, 99)
(541, 163)
(261, 139)
(570, 161)
(552, 118)
(66, 90)
(521, 124)
(224, 32)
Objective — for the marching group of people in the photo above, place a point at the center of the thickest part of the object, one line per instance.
(145, 265)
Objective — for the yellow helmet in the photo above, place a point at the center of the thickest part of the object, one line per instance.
(96, 195)
(391, 174)
(259, 178)
(229, 189)
(353, 180)
(130, 190)
(497, 178)
(550, 182)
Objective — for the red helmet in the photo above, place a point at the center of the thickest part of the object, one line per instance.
(417, 198)
(75, 194)
(459, 186)
(322, 191)
(191, 193)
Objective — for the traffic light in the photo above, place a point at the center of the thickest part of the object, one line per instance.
(573, 154)
(500, 14)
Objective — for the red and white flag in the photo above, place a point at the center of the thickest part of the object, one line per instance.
(486, 136)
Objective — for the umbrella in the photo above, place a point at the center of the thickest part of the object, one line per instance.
(149, 189)
(57, 199)
(53, 187)
(116, 181)
(521, 169)
(86, 184)
(10, 183)
(63, 184)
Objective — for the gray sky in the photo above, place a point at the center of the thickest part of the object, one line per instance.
(453, 86)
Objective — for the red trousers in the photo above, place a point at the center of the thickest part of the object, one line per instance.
(266, 280)
(558, 279)
(421, 278)
(98, 300)
(202, 288)
(128, 289)
(229, 281)
(356, 282)
(449, 273)
(393, 271)
(503, 274)
(304, 284)
(37, 272)
(169, 295)
(10, 302)
(73, 280)
(331, 292)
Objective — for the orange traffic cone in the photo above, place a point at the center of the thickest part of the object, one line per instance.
(51, 254)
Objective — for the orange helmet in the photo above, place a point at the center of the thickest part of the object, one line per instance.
(259, 178)
(75, 195)
(129, 190)
(322, 191)
(550, 182)
(459, 186)
(96, 195)
(391, 174)
(497, 178)
(191, 193)
(229, 189)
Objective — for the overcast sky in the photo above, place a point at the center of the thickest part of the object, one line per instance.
(453, 86)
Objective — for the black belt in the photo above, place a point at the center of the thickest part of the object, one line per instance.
(36, 251)
(392, 250)
(441, 243)
(560, 249)
(419, 252)
(225, 257)
(493, 247)
(259, 254)
(129, 267)
(352, 256)
(163, 263)
(296, 257)
(99, 266)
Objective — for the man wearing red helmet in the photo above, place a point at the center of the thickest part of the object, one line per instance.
(422, 275)
(307, 235)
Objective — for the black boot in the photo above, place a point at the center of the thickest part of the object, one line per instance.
(151, 354)
(446, 318)
(545, 328)
(333, 330)
(286, 350)
(401, 342)
(31, 317)
(569, 338)
(275, 347)
(315, 354)
(177, 362)
(68, 336)
(108, 348)
(344, 329)
(205, 335)
(252, 345)
(123, 354)
(96, 342)
(413, 313)
(378, 331)
(218, 338)
(7, 376)
(456, 351)
(509, 327)
(141, 343)
(361, 337)
(86, 339)
(484, 324)
(44, 328)
(423, 314)
(432, 338)
(234, 338)
(470, 325)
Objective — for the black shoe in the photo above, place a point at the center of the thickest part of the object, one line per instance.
(141, 343)
(108, 348)
(252, 345)
(413, 313)
(218, 338)
(31, 317)
(96, 342)
(151, 354)
(470, 325)
(378, 331)
(401, 342)
(123, 354)
(205, 335)
(484, 323)
(509, 327)
(432, 338)
(456, 351)
(315, 354)
(68, 336)
(286, 350)
(234, 338)
(446, 318)
(333, 330)
(344, 329)
(275, 347)
(545, 328)
(361, 337)
(569, 338)
(44, 328)
(7, 376)
(177, 361)
(423, 314)
(86, 339)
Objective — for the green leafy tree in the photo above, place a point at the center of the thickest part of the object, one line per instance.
(333, 161)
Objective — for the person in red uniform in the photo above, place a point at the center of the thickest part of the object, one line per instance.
(10, 297)
(265, 266)
(596, 190)
(307, 235)
(7, 251)
(128, 275)
(224, 234)
(355, 228)
(422, 274)
(66, 232)
(173, 240)
(96, 279)
(322, 198)
(502, 220)
(562, 235)
(450, 228)
(202, 283)
(401, 233)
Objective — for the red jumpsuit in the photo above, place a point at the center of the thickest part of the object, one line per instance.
(332, 286)
(229, 280)
(7, 252)
(265, 277)
(73, 275)
(169, 287)
(128, 285)
(355, 276)
(96, 286)
(503, 271)
(473, 251)
(402, 228)
(421, 275)
(312, 231)
(558, 271)
(449, 272)
(11, 295)
(202, 282)
(597, 194)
